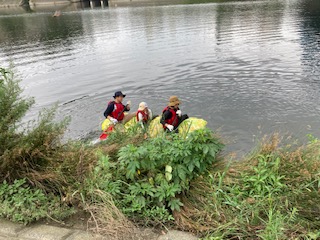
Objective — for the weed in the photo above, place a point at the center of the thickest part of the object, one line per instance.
(20, 203)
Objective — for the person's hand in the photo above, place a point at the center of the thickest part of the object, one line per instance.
(128, 105)
(113, 120)
(179, 113)
(170, 127)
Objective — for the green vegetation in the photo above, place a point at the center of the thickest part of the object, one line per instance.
(157, 172)
(272, 194)
(167, 181)
(20, 203)
(24, 149)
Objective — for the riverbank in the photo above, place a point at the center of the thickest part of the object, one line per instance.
(129, 182)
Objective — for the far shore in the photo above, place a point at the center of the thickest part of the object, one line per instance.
(21, 5)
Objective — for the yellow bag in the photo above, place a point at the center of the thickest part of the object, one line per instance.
(191, 124)
(155, 127)
(187, 126)
(132, 123)
(105, 124)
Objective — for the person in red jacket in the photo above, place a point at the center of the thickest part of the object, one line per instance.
(144, 114)
(172, 115)
(115, 110)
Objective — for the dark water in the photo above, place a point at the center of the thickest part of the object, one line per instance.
(248, 68)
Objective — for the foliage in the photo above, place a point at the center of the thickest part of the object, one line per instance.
(12, 107)
(159, 170)
(270, 195)
(24, 148)
(147, 178)
(20, 203)
(265, 180)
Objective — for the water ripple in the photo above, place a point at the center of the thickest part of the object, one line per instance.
(249, 68)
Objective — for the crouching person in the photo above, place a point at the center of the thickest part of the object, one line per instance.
(115, 110)
(172, 116)
(144, 115)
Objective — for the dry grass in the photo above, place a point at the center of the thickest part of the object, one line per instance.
(106, 219)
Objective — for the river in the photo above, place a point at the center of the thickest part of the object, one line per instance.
(248, 67)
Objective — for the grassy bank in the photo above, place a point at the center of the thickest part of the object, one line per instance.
(164, 182)
(271, 194)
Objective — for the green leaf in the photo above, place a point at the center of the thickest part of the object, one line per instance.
(181, 170)
(140, 201)
(205, 149)
(133, 166)
(175, 204)
(160, 194)
(197, 163)
(213, 152)
(191, 167)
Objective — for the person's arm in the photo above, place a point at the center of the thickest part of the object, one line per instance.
(109, 110)
(140, 120)
(140, 117)
(166, 115)
(150, 114)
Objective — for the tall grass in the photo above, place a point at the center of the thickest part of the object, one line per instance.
(272, 194)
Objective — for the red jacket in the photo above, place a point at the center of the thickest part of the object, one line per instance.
(118, 111)
(144, 115)
(174, 121)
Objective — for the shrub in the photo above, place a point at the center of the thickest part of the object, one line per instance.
(12, 107)
(24, 148)
(152, 176)
(20, 203)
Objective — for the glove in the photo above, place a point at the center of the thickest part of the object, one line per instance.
(170, 127)
(114, 121)
(179, 113)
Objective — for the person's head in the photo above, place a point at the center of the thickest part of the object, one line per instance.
(174, 102)
(118, 96)
(143, 106)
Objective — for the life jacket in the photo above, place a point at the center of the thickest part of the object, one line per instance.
(145, 116)
(118, 111)
(174, 121)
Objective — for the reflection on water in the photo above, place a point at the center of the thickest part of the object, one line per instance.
(248, 68)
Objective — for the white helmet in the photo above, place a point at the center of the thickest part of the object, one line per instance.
(142, 106)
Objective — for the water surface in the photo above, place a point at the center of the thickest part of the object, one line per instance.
(248, 68)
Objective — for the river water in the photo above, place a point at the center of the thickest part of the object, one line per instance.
(248, 67)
